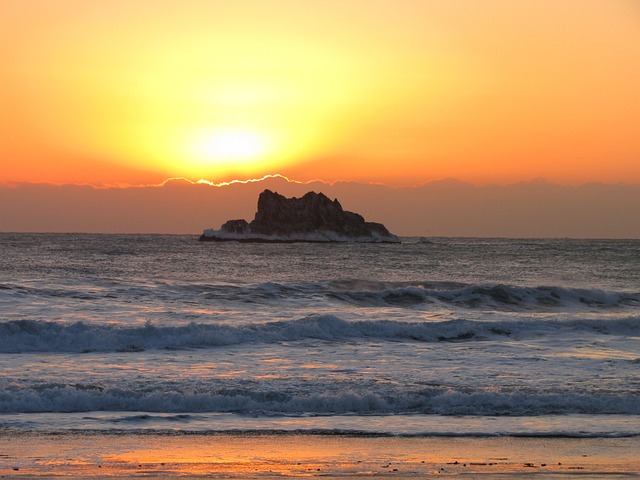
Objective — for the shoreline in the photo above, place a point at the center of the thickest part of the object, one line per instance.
(93, 455)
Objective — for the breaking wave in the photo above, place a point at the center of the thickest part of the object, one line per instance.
(22, 336)
(360, 400)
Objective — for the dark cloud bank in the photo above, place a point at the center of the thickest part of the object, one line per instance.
(443, 208)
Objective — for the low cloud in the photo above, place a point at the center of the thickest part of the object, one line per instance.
(443, 208)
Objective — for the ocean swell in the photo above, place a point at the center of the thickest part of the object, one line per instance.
(357, 293)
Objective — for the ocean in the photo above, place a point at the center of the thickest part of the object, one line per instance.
(454, 337)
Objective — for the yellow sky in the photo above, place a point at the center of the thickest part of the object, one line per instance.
(399, 92)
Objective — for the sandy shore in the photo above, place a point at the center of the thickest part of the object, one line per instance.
(266, 456)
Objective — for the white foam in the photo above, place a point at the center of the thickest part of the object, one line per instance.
(321, 236)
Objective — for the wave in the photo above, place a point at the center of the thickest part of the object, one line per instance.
(367, 425)
(357, 293)
(21, 336)
(481, 296)
(260, 401)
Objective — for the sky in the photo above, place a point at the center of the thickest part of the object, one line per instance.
(402, 92)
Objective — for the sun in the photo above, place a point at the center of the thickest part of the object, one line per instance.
(235, 145)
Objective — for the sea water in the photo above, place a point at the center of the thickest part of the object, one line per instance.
(458, 337)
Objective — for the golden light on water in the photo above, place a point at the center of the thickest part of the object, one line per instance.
(268, 456)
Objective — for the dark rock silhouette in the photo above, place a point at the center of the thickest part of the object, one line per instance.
(311, 218)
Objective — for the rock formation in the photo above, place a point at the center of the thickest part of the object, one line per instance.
(311, 218)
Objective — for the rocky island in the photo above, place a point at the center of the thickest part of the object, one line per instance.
(311, 218)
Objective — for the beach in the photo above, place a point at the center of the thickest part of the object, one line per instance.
(29, 455)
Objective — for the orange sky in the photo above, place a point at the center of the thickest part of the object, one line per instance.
(399, 92)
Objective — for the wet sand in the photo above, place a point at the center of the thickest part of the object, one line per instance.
(267, 456)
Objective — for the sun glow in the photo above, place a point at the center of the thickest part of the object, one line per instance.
(220, 151)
